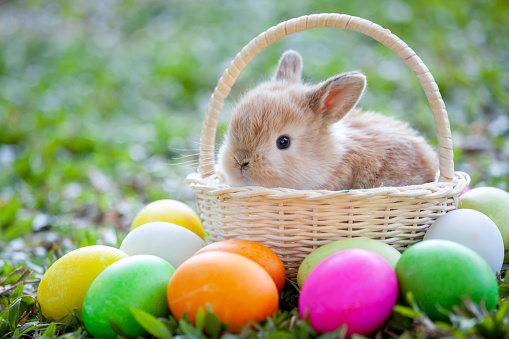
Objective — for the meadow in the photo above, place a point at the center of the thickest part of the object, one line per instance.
(101, 106)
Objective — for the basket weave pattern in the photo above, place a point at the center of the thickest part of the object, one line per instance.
(295, 222)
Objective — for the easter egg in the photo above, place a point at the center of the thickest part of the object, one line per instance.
(65, 283)
(493, 202)
(259, 253)
(171, 242)
(236, 289)
(355, 287)
(468, 188)
(387, 252)
(172, 211)
(439, 273)
(472, 229)
(139, 281)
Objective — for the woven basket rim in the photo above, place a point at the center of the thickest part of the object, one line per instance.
(432, 190)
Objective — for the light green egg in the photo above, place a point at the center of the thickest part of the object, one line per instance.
(387, 252)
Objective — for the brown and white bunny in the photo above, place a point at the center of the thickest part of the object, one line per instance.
(285, 133)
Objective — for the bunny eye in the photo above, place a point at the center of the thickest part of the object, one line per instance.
(283, 142)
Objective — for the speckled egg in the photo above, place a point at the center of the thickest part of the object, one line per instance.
(65, 283)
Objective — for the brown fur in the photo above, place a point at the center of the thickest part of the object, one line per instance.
(332, 145)
(383, 152)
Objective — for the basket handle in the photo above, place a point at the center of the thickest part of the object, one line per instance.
(384, 36)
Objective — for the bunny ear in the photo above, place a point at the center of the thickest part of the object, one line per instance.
(337, 96)
(290, 67)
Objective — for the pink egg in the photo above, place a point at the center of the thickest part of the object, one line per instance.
(465, 191)
(355, 287)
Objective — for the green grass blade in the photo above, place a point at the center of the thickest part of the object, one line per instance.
(151, 324)
(13, 314)
(50, 331)
(212, 325)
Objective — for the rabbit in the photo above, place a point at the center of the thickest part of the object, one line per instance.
(285, 133)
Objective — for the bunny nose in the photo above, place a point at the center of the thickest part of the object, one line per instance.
(242, 161)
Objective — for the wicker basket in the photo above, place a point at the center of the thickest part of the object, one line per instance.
(295, 222)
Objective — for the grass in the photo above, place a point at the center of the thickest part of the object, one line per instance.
(101, 106)
(20, 318)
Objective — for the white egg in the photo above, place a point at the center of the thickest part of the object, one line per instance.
(472, 229)
(171, 242)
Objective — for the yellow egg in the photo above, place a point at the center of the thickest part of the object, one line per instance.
(172, 211)
(65, 283)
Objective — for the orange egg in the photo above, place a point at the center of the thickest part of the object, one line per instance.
(236, 289)
(259, 253)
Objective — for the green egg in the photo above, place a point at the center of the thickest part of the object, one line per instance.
(139, 281)
(439, 273)
(387, 252)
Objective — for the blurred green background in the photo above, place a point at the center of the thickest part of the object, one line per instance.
(101, 102)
